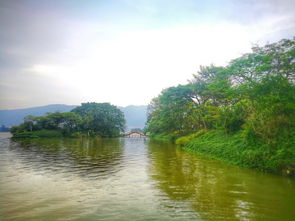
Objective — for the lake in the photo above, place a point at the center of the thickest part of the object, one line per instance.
(132, 179)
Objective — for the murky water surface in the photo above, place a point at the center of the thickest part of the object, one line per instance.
(132, 179)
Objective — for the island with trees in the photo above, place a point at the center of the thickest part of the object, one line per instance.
(89, 119)
(243, 113)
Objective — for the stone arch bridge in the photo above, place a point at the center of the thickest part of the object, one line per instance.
(134, 132)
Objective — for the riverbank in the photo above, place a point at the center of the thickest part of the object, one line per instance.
(38, 134)
(242, 113)
(55, 134)
(236, 150)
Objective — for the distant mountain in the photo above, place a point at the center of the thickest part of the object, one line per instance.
(15, 117)
(135, 115)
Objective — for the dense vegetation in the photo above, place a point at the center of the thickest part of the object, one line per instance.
(243, 113)
(135, 115)
(89, 119)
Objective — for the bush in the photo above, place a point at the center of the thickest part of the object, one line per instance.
(37, 134)
(165, 137)
(25, 134)
(235, 149)
(182, 141)
(48, 133)
(78, 134)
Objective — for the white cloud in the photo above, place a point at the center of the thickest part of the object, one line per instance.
(134, 66)
(127, 62)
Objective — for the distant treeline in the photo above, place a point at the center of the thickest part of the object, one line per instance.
(243, 113)
(135, 115)
(89, 119)
(3, 128)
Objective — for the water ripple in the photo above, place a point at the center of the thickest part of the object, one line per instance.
(131, 179)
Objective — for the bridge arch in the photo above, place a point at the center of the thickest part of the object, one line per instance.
(128, 134)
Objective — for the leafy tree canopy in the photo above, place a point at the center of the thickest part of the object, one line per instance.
(90, 119)
(255, 94)
(103, 119)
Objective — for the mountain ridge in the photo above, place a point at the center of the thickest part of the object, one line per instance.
(135, 115)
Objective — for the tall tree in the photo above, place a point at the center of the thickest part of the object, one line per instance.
(102, 119)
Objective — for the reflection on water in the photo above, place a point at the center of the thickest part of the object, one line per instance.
(90, 158)
(131, 179)
(217, 191)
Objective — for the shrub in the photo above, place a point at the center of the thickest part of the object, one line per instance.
(48, 133)
(182, 141)
(37, 134)
(25, 134)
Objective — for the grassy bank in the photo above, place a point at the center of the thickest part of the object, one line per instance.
(56, 133)
(46, 134)
(234, 149)
(38, 134)
(163, 137)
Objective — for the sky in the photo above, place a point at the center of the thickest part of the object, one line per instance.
(122, 51)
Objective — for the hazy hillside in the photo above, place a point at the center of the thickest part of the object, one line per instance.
(15, 117)
(135, 115)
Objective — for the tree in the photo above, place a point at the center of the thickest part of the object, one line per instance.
(94, 119)
(254, 93)
(102, 119)
(171, 112)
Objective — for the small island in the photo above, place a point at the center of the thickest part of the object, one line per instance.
(88, 120)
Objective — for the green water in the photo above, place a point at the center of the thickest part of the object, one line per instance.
(132, 179)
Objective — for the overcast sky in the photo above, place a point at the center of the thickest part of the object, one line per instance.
(123, 51)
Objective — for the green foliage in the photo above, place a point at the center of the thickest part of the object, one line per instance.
(24, 134)
(236, 150)
(164, 137)
(101, 119)
(89, 119)
(182, 141)
(38, 134)
(254, 96)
